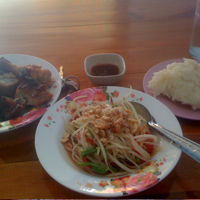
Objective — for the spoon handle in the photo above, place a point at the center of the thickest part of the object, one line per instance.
(189, 147)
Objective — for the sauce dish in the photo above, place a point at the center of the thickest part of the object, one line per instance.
(105, 59)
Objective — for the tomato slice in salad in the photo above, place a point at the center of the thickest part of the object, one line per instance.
(149, 147)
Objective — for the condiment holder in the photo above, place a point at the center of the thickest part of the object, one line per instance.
(105, 60)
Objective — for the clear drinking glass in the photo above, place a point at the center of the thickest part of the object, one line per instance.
(195, 38)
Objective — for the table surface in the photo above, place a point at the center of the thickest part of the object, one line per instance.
(65, 32)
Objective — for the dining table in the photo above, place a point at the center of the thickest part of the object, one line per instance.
(64, 33)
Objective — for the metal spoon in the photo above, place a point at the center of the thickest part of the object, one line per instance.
(188, 146)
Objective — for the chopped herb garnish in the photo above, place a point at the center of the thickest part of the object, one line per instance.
(90, 132)
(137, 160)
(88, 152)
(95, 167)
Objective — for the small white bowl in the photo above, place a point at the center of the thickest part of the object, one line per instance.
(105, 58)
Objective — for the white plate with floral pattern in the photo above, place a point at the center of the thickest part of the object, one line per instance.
(34, 113)
(59, 165)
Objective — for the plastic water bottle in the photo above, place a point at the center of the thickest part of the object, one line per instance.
(195, 38)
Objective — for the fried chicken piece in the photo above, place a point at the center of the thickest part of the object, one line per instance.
(34, 71)
(8, 84)
(10, 109)
(31, 92)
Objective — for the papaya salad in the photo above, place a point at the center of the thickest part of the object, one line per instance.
(108, 139)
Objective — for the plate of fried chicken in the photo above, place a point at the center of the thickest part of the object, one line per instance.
(28, 87)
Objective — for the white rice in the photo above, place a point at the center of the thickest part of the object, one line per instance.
(180, 82)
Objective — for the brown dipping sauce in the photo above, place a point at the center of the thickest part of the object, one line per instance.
(104, 70)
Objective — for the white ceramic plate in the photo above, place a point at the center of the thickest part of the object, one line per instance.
(57, 163)
(34, 113)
